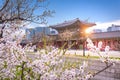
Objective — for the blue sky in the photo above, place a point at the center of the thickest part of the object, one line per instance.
(91, 10)
(103, 12)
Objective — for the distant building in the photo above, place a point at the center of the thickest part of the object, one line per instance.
(109, 38)
(97, 30)
(113, 28)
(37, 30)
(53, 32)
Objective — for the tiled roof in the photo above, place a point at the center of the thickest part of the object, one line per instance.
(67, 23)
(101, 35)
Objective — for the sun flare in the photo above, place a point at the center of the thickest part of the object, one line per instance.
(89, 30)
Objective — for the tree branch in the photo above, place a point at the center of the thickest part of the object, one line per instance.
(4, 5)
(22, 71)
(1, 34)
(18, 18)
(102, 70)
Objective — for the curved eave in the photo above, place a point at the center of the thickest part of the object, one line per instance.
(86, 25)
(63, 25)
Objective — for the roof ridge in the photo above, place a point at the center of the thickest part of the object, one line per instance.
(67, 21)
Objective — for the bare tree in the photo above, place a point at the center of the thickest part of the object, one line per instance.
(66, 35)
(19, 11)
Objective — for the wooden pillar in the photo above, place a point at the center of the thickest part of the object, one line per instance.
(104, 44)
(96, 43)
(112, 44)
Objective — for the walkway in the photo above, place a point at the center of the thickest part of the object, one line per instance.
(80, 52)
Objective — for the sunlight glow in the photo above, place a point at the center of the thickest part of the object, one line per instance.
(89, 30)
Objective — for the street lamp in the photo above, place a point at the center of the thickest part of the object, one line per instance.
(83, 47)
(86, 33)
(83, 42)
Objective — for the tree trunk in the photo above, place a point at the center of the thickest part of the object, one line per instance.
(1, 34)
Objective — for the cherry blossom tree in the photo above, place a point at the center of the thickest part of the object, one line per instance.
(15, 63)
(16, 12)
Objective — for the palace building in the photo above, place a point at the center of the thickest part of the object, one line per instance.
(73, 31)
(70, 32)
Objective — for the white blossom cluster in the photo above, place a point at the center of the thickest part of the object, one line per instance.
(48, 66)
(92, 48)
